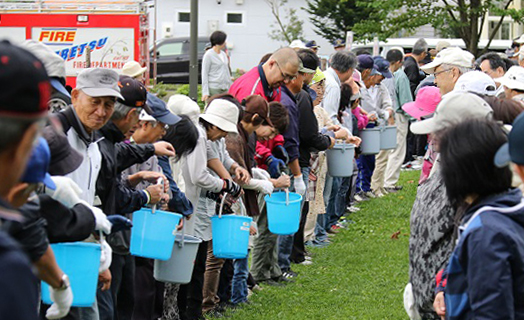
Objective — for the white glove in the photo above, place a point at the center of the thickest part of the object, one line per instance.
(62, 300)
(102, 224)
(67, 191)
(262, 186)
(300, 186)
(260, 174)
(105, 256)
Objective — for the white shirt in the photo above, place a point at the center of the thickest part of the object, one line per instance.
(376, 99)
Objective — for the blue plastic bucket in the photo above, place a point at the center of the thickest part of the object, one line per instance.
(230, 236)
(370, 141)
(80, 261)
(340, 160)
(388, 138)
(179, 268)
(281, 218)
(153, 234)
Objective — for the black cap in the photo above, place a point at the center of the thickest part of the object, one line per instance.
(64, 159)
(24, 82)
(134, 93)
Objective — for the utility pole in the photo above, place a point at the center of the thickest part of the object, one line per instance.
(193, 51)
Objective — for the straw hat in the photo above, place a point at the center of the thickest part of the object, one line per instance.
(133, 69)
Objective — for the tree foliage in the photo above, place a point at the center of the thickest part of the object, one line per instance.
(464, 19)
(285, 30)
(333, 18)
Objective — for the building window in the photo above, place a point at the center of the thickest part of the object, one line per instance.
(235, 18)
(183, 17)
(503, 33)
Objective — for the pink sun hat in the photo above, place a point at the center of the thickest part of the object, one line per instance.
(425, 103)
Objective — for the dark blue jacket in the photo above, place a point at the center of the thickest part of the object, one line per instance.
(291, 136)
(486, 269)
(178, 202)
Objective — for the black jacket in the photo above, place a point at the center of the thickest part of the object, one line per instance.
(117, 157)
(310, 138)
(415, 75)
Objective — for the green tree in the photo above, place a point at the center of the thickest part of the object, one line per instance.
(456, 18)
(285, 31)
(333, 18)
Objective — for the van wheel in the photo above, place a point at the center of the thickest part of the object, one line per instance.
(58, 102)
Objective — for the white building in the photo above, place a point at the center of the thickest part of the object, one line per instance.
(246, 22)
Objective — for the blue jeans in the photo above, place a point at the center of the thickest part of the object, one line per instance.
(366, 165)
(285, 243)
(339, 200)
(239, 283)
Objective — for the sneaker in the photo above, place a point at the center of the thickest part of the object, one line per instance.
(308, 258)
(256, 288)
(361, 197)
(393, 189)
(288, 276)
(370, 195)
(378, 194)
(352, 209)
(306, 263)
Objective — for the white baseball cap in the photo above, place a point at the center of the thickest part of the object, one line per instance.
(133, 69)
(180, 104)
(476, 82)
(223, 114)
(520, 40)
(454, 56)
(454, 108)
(297, 44)
(513, 78)
(144, 116)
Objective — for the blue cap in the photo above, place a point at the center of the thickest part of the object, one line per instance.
(312, 44)
(59, 87)
(38, 164)
(160, 112)
(382, 66)
(513, 150)
(365, 61)
(339, 43)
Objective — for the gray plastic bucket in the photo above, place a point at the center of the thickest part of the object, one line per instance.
(388, 138)
(370, 141)
(340, 160)
(179, 268)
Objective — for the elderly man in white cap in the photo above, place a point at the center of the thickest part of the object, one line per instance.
(93, 102)
(513, 83)
(448, 66)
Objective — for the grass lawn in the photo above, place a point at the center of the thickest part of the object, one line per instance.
(360, 275)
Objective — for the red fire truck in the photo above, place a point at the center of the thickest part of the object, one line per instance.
(93, 33)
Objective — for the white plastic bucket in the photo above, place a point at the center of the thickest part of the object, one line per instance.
(340, 160)
(388, 138)
(370, 141)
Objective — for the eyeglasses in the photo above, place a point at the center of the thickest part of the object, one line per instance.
(442, 71)
(286, 77)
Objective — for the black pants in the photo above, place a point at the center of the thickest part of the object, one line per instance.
(298, 254)
(190, 295)
(149, 293)
(123, 286)
(226, 278)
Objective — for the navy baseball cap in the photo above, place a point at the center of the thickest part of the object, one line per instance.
(160, 112)
(382, 66)
(339, 43)
(513, 150)
(24, 82)
(312, 44)
(365, 61)
(38, 164)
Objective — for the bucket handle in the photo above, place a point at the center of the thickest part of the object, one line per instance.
(161, 182)
(287, 196)
(181, 244)
(222, 205)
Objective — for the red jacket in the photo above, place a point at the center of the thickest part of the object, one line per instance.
(248, 84)
(251, 83)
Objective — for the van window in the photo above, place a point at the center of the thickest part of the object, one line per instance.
(170, 49)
